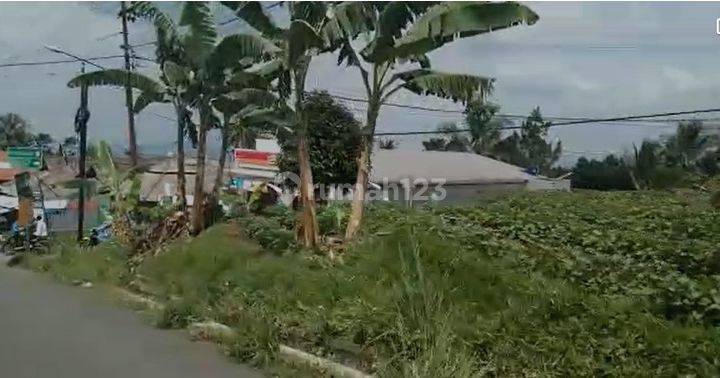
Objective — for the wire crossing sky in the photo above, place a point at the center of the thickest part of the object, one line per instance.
(582, 60)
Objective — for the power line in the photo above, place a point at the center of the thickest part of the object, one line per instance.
(107, 36)
(578, 122)
(501, 115)
(144, 44)
(50, 62)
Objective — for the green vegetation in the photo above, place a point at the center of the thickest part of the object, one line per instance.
(686, 158)
(333, 135)
(15, 131)
(69, 264)
(563, 284)
(527, 148)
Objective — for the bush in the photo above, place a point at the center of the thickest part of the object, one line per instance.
(332, 218)
(268, 232)
(105, 263)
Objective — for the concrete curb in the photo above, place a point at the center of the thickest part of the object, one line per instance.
(335, 369)
(214, 331)
(138, 301)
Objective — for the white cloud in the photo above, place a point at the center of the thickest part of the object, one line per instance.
(580, 59)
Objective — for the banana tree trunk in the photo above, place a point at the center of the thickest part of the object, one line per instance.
(357, 207)
(308, 226)
(181, 189)
(198, 216)
(221, 161)
(308, 231)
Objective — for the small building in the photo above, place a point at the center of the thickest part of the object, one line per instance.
(421, 176)
(159, 182)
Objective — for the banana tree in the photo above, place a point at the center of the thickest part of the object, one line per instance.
(169, 90)
(401, 34)
(203, 64)
(243, 111)
(300, 42)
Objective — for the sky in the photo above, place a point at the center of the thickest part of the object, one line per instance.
(578, 60)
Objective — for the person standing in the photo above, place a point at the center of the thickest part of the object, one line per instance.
(40, 228)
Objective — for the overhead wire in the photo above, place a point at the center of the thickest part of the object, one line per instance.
(51, 62)
(567, 123)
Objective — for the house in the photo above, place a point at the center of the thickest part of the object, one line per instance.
(159, 182)
(421, 176)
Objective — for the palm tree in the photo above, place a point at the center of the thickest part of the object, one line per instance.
(195, 68)
(300, 42)
(404, 32)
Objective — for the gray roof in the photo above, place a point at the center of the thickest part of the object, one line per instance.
(453, 167)
(161, 178)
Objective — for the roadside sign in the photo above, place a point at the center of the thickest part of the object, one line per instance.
(247, 156)
(25, 157)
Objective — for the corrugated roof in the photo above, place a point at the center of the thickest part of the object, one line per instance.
(8, 174)
(155, 184)
(453, 167)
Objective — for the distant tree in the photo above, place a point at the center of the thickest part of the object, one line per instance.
(528, 148)
(652, 170)
(14, 131)
(687, 145)
(484, 127)
(612, 173)
(709, 163)
(333, 134)
(451, 139)
(387, 144)
(70, 141)
(43, 139)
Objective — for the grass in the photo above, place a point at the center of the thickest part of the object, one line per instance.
(540, 285)
(70, 264)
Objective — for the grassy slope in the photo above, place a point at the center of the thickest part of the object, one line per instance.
(568, 284)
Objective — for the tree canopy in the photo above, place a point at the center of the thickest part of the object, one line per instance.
(15, 132)
(333, 136)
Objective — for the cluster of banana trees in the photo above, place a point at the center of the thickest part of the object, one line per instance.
(242, 80)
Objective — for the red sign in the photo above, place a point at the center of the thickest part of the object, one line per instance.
(243, 155)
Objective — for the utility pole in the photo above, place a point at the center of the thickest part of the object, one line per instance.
(81, 118)
(128, 88)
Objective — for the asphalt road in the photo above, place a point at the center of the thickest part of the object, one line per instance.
(56, 331)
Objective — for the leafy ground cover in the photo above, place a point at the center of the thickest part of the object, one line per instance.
(581, 284)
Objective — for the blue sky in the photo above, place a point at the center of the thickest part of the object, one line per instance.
(580, 59)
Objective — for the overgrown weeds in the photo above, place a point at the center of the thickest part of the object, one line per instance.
(546, 285)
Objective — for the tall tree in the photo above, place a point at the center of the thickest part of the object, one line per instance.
(197, 69)
(404, 32)
(300, 41)
(485, 127)
(333, 133)
(528, 148)
(687, 145)
(14, 131)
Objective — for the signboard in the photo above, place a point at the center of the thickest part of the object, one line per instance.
(243, 155)
(25, 157)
